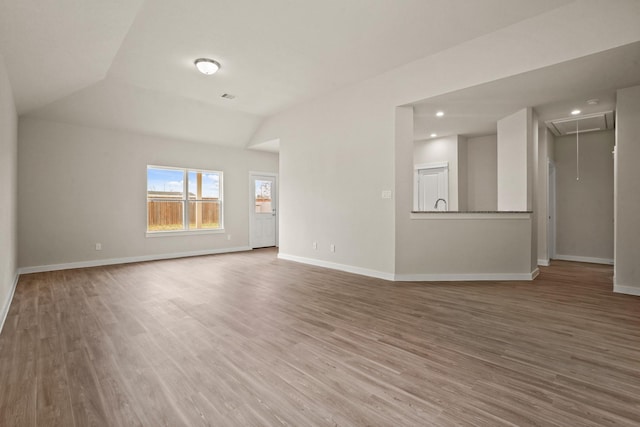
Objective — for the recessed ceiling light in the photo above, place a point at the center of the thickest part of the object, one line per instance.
(440, 113)
(433, 135)
(207, 66)
(575, 112)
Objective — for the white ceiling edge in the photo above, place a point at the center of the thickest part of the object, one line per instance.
(113, 104)
(271, 146)
(517, 49)
(52, 49)
(552, 91)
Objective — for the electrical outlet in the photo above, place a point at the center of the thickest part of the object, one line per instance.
(315, 245)
(332, 247)
(98, 246)
(228, 236)
(386, 194)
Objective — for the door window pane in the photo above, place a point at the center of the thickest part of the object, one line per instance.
(263, 196)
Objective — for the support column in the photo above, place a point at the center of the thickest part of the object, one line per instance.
(516, 161)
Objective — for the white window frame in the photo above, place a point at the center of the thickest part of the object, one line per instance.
(185, 205)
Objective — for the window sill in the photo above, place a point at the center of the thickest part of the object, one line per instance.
(183, 233)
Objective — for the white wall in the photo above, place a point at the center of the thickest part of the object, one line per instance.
(482, 173)
(8, 192)
(440, 150)
(463, 173)
(514, 144)
(627, 214)
(337, 151)
(585, 207)
(79, 186)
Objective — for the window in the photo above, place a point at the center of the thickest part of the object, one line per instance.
(183, 199)
(263, 196)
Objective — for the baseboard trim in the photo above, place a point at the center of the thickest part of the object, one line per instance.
(535, 273)
(411, 277)
(544, 262)
(628, 290)
(590, 260)
(127, 260)
(335, 266)
(7, 304)
(479, 277)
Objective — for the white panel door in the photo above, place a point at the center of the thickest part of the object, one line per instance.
(432, 188)
(263, 212)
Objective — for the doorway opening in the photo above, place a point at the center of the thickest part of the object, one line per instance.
(431, 187)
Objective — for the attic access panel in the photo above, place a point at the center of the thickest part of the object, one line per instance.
(586, 123)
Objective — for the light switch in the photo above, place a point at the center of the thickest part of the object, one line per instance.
(386, 194)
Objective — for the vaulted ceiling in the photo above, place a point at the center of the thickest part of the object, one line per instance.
(128, 64)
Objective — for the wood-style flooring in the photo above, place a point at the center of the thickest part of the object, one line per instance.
(246, 339)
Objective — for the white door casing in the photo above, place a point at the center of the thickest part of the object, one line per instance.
(263, 210)
(551, 211)
(431, 182)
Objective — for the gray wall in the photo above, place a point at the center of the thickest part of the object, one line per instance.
(80, 185)
(627, 247)
(482, 173)
(585, 207)
(8, 186)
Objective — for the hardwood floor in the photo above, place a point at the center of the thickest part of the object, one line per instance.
(249, 340)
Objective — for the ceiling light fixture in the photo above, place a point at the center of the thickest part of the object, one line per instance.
(575, 112)
(593, 101)
(207, 66)
(433, 135)
(440, 113)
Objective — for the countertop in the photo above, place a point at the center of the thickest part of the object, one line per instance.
(471, 212)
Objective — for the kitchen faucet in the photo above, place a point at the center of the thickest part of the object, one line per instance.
(438, 201)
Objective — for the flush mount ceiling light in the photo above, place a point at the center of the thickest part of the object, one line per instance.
(207, 66)
(440, 113)
(575, 112)
(433, 135)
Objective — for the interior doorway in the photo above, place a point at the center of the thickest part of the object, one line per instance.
(263, 210)
(431, 187)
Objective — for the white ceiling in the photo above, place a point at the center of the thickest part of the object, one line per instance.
(553, 92)
(128, 64)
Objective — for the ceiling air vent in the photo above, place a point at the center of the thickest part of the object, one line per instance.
(585, 123)
(228, 96)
